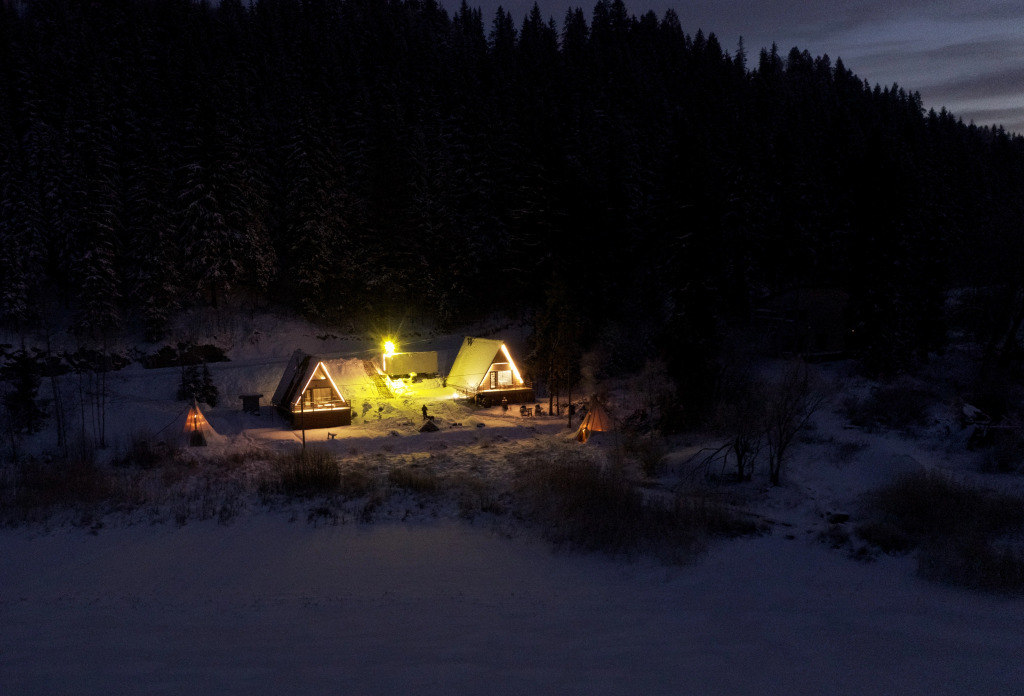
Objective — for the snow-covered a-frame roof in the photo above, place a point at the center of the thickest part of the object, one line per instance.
(477, 359)
(301, 370)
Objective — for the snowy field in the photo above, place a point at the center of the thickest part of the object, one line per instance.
(270, 604)
(265, 606)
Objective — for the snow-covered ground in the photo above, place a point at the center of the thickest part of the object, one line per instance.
(270, 604)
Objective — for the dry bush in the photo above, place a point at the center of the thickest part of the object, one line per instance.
(34, 489)
(973, 563)
(306, 473)
(205, 498)
(954, 527)
(844, 452)
(415, 477)
(897, 406)
(929, 505)
(583, 505)
(357, 481)
(1006, 454)
(474, 494)
(145, 452)
(235, 459)
(648, 449)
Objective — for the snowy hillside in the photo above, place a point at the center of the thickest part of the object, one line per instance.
(300, 595)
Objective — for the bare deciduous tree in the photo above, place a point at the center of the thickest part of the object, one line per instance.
(743, 417)
(789, 405)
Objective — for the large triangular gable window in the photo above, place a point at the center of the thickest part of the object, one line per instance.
(321, 391)
(503, 373)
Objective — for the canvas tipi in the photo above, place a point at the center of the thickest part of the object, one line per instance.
(195, 430)
(596, 420)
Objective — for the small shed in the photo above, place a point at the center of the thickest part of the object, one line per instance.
(251, 403)
(402, 364)
(484, 370)
(308, 396)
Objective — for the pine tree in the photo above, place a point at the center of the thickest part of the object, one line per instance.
(213, 246)
(95, 263)
(23, 374)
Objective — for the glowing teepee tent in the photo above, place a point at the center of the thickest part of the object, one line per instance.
(196, 431)
(596, 420)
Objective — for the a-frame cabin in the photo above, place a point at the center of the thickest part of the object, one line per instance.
(308, 396)
(484, 370)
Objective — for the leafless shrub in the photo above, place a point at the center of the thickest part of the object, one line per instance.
(976, 564)
(1006, 454)
(415, 477)
(844, 452)
(897, 406)
(578, 503)
(741, 413)
(790, 403)
(323, 514)
(357, 481)
(648, 449)
(36, 488)
(474, 494)
(954, 527)
(143, 450)
(307, 473)
(206, 498)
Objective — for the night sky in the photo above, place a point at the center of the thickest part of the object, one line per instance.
(966, 55)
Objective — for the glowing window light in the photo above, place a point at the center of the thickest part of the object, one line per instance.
(321, 370)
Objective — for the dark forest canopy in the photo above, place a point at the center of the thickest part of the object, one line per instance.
(358, 158)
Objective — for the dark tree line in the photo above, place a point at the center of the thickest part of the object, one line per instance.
(355, 157)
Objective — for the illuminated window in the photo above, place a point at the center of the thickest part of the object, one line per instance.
(317, 397)
(501, 379)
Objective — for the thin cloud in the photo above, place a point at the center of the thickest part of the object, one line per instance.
(955, 52)
(1009, 119)
(987, 85)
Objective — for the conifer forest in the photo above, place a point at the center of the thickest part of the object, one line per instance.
(602, 172)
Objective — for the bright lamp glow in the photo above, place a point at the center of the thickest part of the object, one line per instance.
(389, 348)
(515, 370)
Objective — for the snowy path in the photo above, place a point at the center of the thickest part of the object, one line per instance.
(269, 607)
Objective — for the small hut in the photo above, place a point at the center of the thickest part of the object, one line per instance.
(484, 370)
(308, 396)
(596, 420)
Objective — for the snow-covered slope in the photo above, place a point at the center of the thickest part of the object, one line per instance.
(269, 606)
(270, 603)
